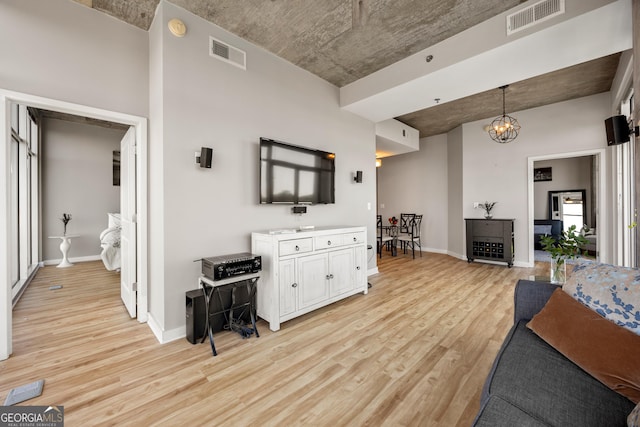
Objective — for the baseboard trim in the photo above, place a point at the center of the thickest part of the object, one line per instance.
(72, 260)
(162, 336)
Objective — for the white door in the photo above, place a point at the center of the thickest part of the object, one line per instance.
(128, 220)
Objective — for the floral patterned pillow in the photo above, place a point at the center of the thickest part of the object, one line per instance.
(610, 290)
(633, 420)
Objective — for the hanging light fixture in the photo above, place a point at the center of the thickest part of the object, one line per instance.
(504, 128)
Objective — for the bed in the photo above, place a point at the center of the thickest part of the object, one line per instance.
(110, 243)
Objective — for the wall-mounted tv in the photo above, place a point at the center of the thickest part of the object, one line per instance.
(295, 175)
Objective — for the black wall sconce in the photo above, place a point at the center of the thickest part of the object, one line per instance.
(203, 158)
(358, 177)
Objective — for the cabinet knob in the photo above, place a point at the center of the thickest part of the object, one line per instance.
(294, 285)
(355, 239)
(329, 242)
(328, 277)
(297, 248)
(358, 268)
(331, 276)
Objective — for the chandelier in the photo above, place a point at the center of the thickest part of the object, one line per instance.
(504, 129)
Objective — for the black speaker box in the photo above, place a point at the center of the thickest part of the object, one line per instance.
(196, 315)
(205, 157)
(617, 129)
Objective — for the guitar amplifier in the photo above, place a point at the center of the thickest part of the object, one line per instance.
(222, 267)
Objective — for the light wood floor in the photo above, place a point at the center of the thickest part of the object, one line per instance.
(415, 351)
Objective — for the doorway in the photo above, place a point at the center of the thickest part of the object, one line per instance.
(139, 124)
(592, 203)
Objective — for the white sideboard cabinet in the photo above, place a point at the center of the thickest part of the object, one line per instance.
(308, 269)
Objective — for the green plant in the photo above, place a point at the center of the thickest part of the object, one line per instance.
(568, 246)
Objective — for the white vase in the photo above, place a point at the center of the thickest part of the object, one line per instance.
(558, 273)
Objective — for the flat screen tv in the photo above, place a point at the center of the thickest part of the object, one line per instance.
(295, 175)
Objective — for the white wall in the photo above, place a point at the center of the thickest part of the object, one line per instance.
(417, 183)
(207, 102)
(156, 166)
(62, 50)
(498, 172)
(455, 175)
(478, 169)
(567, 174)
(77, 167)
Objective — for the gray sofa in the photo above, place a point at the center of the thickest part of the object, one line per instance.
(531, 384)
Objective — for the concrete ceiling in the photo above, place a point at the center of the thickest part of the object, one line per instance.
(344, 41)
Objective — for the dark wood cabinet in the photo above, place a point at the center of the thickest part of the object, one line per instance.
(490, 239)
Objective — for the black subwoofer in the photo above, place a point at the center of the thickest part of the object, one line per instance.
(195, 311)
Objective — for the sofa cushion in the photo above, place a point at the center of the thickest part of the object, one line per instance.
(610, 290)
(605, 350)
(497, 412)
(537, 379)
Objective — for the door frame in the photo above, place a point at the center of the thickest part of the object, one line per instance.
(603, 224)
(140, 125)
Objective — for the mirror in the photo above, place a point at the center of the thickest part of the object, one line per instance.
(569, 206)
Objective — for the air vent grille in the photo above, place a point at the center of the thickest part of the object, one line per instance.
(534, 14)
(227, 53)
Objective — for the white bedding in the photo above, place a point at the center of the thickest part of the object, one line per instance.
(110, 242)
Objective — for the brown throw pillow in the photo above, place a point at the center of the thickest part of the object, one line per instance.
(610, 353)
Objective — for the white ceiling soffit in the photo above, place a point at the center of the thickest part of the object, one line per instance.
(484, 58)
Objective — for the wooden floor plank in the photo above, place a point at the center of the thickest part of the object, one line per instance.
(414, 351)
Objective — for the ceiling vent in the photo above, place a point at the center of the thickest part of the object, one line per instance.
(227, 53)
(534, 14)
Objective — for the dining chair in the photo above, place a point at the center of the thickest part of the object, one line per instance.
(412, 238)
(404, 227)
(382, 238)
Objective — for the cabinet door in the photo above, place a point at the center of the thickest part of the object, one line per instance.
(313, 280)
(288, 287)
(361, 267)
(342, 271)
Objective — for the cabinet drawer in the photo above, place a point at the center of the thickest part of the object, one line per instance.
(296, 246)
(353, 238)
(487, 228)
(329, 241)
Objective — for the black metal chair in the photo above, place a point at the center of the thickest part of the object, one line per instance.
(382, 238)
(412, 238)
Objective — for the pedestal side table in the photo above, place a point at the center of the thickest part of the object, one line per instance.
(65, 244)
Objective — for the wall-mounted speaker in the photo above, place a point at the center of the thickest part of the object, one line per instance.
(617, 129)
(205, 157)
(358, 177)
